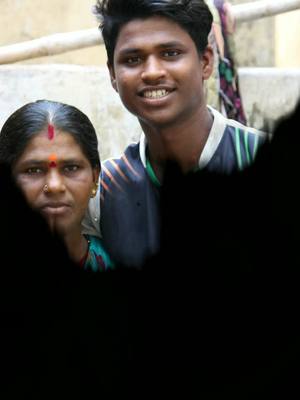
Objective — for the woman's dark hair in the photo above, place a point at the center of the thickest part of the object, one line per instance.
(32, 118)
(193, 16)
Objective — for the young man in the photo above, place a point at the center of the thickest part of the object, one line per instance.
(158, 59)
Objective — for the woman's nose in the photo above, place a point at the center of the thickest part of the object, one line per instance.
(55, 181)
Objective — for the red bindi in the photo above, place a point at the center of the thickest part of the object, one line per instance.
(50, 132)
(52, 161)
(52, 164)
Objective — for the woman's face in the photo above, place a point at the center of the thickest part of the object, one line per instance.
(57, 180)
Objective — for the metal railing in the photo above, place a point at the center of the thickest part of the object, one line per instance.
(64, 42)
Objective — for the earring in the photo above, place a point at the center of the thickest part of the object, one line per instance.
(94, 190)
(46, 189)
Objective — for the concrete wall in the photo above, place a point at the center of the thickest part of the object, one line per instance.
(262, 43)
(268, 93)
(252, 43)
(267, 42)
(87, 88)
(22, 20)
(287, 40)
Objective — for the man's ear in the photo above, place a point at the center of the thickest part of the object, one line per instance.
(112, 76)
(207, 62)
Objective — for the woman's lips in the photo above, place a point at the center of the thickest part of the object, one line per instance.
(55, 209)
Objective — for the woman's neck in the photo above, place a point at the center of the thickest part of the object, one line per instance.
(77, 245)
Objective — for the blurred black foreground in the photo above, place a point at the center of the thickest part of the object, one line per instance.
(213, 315)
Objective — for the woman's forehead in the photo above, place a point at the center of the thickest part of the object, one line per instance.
(61, 144)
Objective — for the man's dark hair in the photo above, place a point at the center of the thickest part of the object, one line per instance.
(193, 16)
(32, 118)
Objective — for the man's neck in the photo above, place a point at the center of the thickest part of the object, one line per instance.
(182, 143)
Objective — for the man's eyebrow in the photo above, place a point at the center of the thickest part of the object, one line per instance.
(129, 50)
(171, 44)
(136, 50)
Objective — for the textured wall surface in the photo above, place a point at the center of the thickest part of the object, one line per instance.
(30, 19)
(87, 88)
(267, 93)
(259, 43)
(22, 20)
(253, 42)
(287, 40)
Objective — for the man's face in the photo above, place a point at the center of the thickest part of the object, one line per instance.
(158, 73)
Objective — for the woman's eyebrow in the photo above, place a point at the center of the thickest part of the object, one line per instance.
(70, 159)
(33, 161)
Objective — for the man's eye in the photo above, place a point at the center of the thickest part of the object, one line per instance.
(133, 60)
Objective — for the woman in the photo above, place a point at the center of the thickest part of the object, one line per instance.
(52, 150)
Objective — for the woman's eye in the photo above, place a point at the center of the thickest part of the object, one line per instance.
(171, 53)
(71, 168)
(34, 171)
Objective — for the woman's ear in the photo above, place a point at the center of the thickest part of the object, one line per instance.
(96, 174)
(207, 62)
(112, 76)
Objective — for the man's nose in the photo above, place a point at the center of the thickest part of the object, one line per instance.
(153, 70)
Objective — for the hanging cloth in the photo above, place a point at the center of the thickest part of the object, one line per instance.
(229, 92)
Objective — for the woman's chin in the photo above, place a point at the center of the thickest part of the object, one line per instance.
(58, 226)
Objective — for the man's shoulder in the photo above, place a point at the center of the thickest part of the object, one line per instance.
(232, 125)
(238, 143)
(131, 151)
(128, 167)
(245, 142)
(129, 159)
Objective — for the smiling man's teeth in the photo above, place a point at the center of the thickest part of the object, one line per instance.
(155, 94)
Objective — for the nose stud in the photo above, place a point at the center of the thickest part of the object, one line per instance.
(46, 189)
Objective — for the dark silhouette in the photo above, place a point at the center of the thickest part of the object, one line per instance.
(213, 315)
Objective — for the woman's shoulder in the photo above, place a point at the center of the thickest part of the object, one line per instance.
(98, 258)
